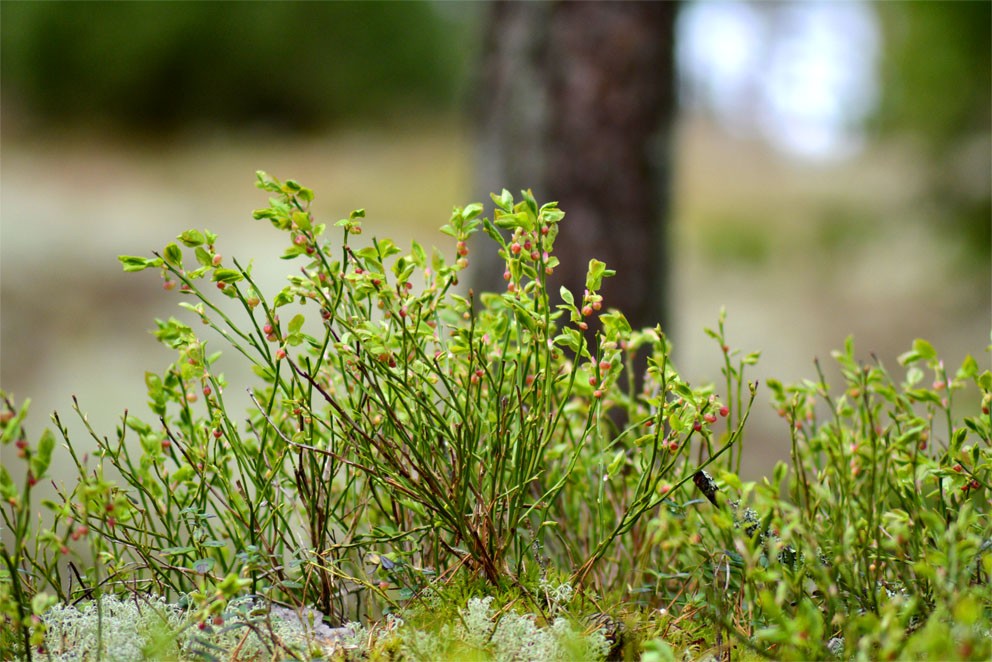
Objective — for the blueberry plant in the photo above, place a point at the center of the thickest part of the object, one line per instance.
(408, 438)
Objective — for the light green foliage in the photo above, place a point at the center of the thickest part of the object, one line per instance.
(466, 473)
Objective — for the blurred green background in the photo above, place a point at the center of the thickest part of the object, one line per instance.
(860, 206)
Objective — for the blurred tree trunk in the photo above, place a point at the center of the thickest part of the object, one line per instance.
(577, 102)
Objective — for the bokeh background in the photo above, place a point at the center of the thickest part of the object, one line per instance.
(831, 174)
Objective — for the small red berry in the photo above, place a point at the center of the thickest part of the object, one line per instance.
(709, 418)
(598, 394)
(169, 285)
(583, 326)
(586, 310)
(958, 468)
(604, 365)
(724, 410)
(975, 484)
(673, 445)
(216, 260)
(697, 426)
(506, 275)
(207, 390)
(515, 248)
(280, 354)
(592, 380)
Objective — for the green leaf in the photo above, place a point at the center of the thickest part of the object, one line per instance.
(566, 296)
(202, 566)
(471, 211)
(7, 488)
(614, 465)
(192, 238)
(42, 457)
(296, 323)
(968, 369)
(173, 255)
(924, 349)
(203, 257)
(135, 263)
(597, 271)
(227, 276)
(302, 220)
(504, 200)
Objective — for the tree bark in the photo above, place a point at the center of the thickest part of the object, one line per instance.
(577, 103)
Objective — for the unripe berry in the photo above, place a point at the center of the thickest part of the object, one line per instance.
(218, 433)
(598, 394)
(515, 248)
(592, 381)
(280, 354)
(169, 285)
(461, 262)
(724, 410)
(586, 310)
(709, 417)
(267, 329)
(216, 260)
(697, 426)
